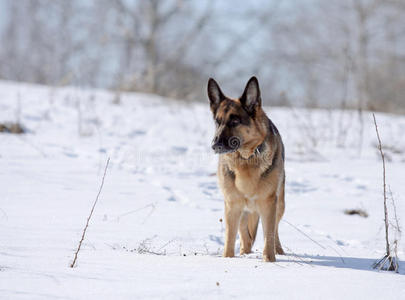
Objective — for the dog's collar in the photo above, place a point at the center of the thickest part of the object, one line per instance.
(259, 149)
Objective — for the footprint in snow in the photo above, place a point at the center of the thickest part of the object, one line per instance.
(216, 239)
(299, 187)
(179, 150)
(70, 154)
(135, 133)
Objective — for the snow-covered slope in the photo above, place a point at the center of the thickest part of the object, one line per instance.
(156, 231)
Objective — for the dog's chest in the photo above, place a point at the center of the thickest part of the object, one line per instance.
(247, 182)
(250, 202)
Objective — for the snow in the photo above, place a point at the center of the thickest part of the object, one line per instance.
(156, 231)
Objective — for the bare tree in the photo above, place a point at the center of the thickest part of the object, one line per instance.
(301, 51)
(154, 38)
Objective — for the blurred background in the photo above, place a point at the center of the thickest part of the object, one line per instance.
(312, 53)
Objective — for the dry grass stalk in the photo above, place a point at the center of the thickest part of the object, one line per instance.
(387, 262)
(89, 217)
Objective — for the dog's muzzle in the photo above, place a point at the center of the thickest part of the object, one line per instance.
(226, 145)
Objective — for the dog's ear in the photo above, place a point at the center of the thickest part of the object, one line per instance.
(214, 94)
(250, 98)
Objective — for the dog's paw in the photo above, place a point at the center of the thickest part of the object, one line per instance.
(245, 251)
(269, 258)
(280, 250)
(228, 254)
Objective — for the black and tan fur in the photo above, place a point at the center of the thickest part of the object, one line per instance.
(250, 170)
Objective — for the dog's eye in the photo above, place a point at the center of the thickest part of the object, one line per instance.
(235, 121)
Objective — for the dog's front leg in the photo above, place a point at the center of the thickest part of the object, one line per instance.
(268, 215)
(233, 213)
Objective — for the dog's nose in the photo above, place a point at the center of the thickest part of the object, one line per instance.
(218, 147)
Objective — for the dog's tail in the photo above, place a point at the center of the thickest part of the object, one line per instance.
(253, 222)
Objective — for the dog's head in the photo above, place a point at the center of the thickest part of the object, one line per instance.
(237, 120)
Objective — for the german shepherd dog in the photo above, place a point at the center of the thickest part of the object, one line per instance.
(251, 169)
